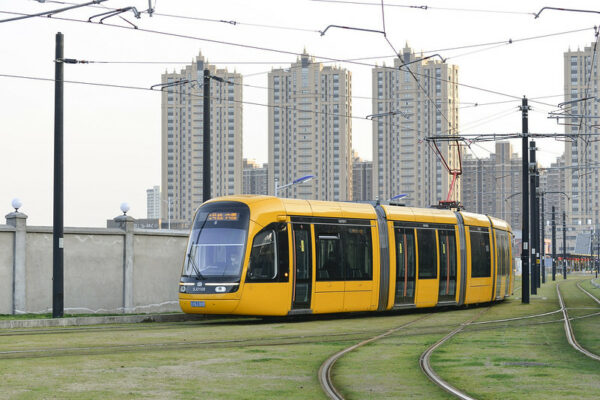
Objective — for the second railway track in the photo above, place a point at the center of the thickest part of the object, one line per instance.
(569, 328)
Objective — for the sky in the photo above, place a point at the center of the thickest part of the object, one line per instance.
(112, 134)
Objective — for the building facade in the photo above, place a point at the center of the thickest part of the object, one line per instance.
(255, 180)
(310, 130)
(362, 179)
(182, 138)
(554, 189)
(414, 100)
(153, 203)
(493, 185)
(581, 152)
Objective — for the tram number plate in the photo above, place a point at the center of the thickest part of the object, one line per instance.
(197, 304)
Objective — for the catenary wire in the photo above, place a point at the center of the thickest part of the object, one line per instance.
(426, 7)
(262, 48)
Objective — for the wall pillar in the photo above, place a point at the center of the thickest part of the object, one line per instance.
(126, 222)
(19, 295)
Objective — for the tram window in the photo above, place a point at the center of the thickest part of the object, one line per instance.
(356, 243)
(480, 255)
(344, 253)
(329, 256)
(427, 253)
(269, 255)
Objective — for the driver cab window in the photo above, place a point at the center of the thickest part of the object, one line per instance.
(266, 263)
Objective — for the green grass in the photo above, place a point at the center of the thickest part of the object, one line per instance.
(4, 317)
(507, 360)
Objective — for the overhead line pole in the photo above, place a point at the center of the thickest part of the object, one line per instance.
(543, 244)
(553, 243)
(597, 262)
(206, 162)
(564, 245)
(536, 222)
(58, 217)
(525, 199)
(532, 210)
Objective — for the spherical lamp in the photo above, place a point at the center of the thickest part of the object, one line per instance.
(16, 204)
(125, 208)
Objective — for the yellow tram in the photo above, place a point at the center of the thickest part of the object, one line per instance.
(268, 256)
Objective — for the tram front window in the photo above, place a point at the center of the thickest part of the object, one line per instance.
(217, 242)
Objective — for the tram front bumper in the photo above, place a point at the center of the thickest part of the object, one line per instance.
(208, 306)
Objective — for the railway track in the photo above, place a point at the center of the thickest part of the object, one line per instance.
(325, 369)
(588, 293)
(179, 344)
(172, 345)
(569, 328)
(424, 360)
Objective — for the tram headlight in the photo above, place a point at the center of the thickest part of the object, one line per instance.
(182, 289)
(220, 289)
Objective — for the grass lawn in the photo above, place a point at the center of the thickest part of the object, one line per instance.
(248, 358)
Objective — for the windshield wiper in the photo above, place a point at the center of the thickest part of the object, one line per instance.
(195, 267)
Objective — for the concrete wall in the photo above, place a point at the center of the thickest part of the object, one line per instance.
(105, 270)
(7, 235)
(158, 264)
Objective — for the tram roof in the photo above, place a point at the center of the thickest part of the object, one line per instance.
(500, 224)
(261, 204)
(428, 215)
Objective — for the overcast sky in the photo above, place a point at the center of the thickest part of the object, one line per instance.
(112, 135)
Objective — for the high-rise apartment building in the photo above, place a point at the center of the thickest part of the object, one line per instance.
(553, 185)
(153, 203)
(407, 108)
(310, 130)
(182, 138)
(581, 81)
(362, 179)
(255, 180)
(492, 185)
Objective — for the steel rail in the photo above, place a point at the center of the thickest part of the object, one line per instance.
(569, 329)
(424, 361)
(588, 293)
(325, 369)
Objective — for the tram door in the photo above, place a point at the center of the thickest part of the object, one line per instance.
(302, 266)
(405, 266)
(447, 252)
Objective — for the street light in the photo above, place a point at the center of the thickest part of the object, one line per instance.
(168, 201)
(399, 196)
(294, 182)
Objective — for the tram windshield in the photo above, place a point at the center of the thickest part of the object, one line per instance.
(217, 241)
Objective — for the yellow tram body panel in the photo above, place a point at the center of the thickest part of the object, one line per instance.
(478, 289)
(297, 221)
(503, 245)
(426, 290)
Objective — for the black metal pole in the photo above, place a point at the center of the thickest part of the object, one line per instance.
(597, 252)
(206, 165)
(543, 244)
(58, 219)
(564, 245)
(553, 243)
(536, 226)
(533, 238)
(591, 261)
(525, 199)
